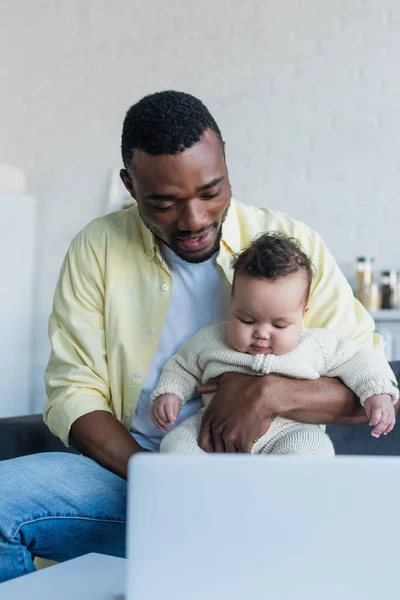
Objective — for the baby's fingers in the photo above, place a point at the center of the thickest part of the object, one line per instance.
(154, 415)
(158, 417)
(391, 423)
(389, 428)
(381, 426)
(375, 417)
(157, 422)
(172, 413)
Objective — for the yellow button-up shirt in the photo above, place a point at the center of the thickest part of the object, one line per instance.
(112, 299)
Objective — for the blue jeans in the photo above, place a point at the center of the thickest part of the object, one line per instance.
(58, 506)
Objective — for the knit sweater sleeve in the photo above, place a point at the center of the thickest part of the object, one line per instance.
(356, 365)
(182, 374)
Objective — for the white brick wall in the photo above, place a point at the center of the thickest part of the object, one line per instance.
(306, 93)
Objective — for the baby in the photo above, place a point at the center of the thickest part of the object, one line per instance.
(265, 334)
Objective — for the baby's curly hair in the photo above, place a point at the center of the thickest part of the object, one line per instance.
(272, 256)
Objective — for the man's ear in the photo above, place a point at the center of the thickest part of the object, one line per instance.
(127, 181)
(223, 149)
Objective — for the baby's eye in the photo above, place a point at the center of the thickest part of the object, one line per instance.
(280, 326)
(245, 321)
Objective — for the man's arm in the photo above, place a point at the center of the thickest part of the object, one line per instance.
(80, 408)
(244, 406)
(101, 437)
(324, 401)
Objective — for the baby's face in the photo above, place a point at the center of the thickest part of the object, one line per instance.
(266, 317)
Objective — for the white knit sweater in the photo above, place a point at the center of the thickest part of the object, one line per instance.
(319, 353)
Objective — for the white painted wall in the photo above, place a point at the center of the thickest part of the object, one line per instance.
(306, 93)
(17, 257)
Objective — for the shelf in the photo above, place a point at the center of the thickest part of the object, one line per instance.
(389, 314)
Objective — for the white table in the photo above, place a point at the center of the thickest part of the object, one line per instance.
(90, 577)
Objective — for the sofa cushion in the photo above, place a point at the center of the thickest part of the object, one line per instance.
(27, 435)
(358, 439)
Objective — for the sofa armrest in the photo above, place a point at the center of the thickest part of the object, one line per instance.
(27, 435)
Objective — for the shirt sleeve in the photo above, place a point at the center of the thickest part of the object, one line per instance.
(332, 305)
(76, 377)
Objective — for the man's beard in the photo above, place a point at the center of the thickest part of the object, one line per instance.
(182, 255)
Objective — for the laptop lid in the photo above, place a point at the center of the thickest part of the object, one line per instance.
(240, 527)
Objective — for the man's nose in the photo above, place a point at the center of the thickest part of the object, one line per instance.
(192, 216)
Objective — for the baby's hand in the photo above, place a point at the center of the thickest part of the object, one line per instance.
(165, 410)
(380, 411)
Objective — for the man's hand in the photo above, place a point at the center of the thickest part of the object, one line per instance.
(245, 405)
(237, 416)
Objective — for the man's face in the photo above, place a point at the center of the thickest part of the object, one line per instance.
(183, 198)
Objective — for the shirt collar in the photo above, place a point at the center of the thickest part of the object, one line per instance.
(230, 237)
(230, 230)
(149, 242)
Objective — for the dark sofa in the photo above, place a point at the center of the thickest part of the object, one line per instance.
(27, 435)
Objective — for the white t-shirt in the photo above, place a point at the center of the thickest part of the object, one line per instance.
(200, 297)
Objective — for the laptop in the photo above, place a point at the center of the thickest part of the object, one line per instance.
(240, 527)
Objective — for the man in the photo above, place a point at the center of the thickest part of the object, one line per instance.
(134, 286)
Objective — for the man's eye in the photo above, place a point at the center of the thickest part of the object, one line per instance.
(163, 208)
(210, 195)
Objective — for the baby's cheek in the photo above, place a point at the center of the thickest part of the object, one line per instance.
(241, 339)
(233, 336)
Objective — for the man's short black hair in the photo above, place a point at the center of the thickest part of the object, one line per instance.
(272, 256)
(165, 123)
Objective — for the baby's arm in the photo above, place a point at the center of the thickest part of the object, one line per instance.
(360, 370)
(181, 376)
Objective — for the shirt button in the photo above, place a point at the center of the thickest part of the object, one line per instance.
(126, 414)
(138, 375)
(165, 287)
(152, 332)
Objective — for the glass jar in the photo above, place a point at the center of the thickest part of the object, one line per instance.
(394, 284)
(398, 289)
(363, 275)
(369, 296)
(388, 290)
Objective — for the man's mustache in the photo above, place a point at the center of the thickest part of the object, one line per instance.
(183, 235)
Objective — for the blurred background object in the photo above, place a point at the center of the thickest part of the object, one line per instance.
(17, 269)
